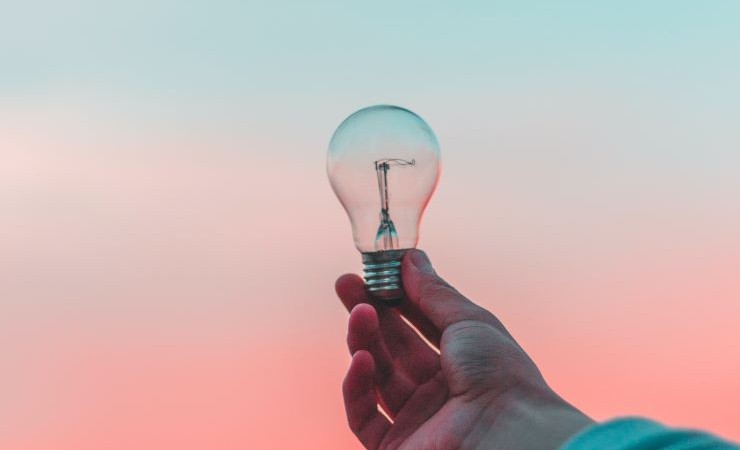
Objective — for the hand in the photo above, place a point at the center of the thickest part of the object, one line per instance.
(480, 390)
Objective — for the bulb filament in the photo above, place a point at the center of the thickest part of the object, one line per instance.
(387, 237)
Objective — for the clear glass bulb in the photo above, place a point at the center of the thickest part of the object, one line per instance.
(383, 164)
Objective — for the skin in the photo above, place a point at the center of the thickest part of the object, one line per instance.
(460, 382)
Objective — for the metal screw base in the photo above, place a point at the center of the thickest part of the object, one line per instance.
(383, 276)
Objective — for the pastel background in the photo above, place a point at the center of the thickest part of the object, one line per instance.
(169, 241)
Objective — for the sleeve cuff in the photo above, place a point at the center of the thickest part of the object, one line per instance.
(634, 433)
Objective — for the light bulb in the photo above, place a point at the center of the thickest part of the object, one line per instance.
(383, 164)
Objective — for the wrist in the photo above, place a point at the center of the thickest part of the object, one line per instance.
(535, 419)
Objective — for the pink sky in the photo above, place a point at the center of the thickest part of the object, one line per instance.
(173, 288)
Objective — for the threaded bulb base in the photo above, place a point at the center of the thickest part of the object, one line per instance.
(383, 276)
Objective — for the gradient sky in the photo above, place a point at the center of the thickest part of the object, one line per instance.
(169, 241)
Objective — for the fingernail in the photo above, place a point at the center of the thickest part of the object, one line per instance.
(420, 260)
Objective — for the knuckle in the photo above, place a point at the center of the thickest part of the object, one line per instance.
(436, 288)
(484, 315)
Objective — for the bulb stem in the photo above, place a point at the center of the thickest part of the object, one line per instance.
(383, 280)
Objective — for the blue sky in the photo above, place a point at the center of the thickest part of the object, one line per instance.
(657, 80)
(280, 49)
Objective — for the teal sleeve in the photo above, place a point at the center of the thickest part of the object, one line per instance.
(634, 433)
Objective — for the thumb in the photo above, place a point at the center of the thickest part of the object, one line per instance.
(434, 297)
